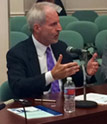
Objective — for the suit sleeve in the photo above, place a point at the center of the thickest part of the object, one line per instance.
(22, 81)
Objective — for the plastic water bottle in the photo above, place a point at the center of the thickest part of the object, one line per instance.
(69, 96)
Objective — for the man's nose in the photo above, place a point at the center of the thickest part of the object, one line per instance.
(59, 27)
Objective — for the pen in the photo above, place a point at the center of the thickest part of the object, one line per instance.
(45, 100)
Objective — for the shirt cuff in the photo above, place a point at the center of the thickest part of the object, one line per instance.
(49, 78)
(88, 76)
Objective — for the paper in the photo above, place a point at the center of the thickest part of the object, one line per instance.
(35, 112)
(98, 98)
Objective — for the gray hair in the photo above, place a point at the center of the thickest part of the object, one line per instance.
(37, 14)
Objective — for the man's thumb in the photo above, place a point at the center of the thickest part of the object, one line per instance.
(95, 55)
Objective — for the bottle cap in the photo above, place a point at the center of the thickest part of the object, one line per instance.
(69, 78)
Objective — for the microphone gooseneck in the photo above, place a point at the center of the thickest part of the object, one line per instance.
(24, 103)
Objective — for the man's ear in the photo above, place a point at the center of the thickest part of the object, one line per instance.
(36, 28)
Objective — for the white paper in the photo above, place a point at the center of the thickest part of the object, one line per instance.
(34, 112)
(98, 98)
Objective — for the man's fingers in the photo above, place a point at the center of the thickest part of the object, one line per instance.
(72, 64)
(60, 59)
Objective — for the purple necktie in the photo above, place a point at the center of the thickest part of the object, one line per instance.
(50, 65)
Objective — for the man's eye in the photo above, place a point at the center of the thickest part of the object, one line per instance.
(54, 24)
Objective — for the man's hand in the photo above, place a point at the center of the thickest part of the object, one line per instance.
(61, 71)
(92, 65)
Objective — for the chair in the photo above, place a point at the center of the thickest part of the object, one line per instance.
(64, 20)
(87, 29)
(25, 29)
(72, 38)
(17, 22)
(100, 41)
(16, 37)
(85, 15)
(5, 92)
(101, 22)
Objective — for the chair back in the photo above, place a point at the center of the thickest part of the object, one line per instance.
(25, 29)
(100, 41)
(72, 38)
(101, 22)
(5, 92)
(87, 29)
(17, 22)
(85, 15)
(64, 20)
(16, 37)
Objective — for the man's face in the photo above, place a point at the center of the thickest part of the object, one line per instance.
(49, 31)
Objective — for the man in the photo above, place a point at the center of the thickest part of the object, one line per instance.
(58, 2)
(104, 66)
(27, 62)
(63, 12)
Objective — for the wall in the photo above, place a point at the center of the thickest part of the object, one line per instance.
(17, 7)
(3, 39)
(100, 6)
(28, 4)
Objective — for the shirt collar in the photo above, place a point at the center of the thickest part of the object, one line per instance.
(41, 49)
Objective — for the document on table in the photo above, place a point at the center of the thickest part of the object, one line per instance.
(35, 112)
(96, 97)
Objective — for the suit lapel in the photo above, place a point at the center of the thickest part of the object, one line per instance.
(55, 51)
(33, 58)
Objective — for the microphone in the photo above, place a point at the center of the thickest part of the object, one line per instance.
(3, 105)
(71, 50)
(22, 101)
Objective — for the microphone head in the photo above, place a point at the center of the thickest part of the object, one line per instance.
(70, 51)
(69, 48)
(75, 50)
(2, 105)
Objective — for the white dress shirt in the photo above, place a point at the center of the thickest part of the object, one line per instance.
(41, 52)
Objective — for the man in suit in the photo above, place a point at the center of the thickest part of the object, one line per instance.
(58, 2)
(28, 73)
(63, 11)
(104, 65)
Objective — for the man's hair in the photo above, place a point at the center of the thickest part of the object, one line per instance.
(37, 13)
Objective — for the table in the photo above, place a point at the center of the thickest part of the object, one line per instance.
(96, 115)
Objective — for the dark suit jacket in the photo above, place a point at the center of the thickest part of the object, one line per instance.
(58, 2)
(63, 12)
(24, 73)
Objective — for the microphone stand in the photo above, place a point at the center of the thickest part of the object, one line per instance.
(85, 103)
(24, 103)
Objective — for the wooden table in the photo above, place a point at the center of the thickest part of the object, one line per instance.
(96, 115)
